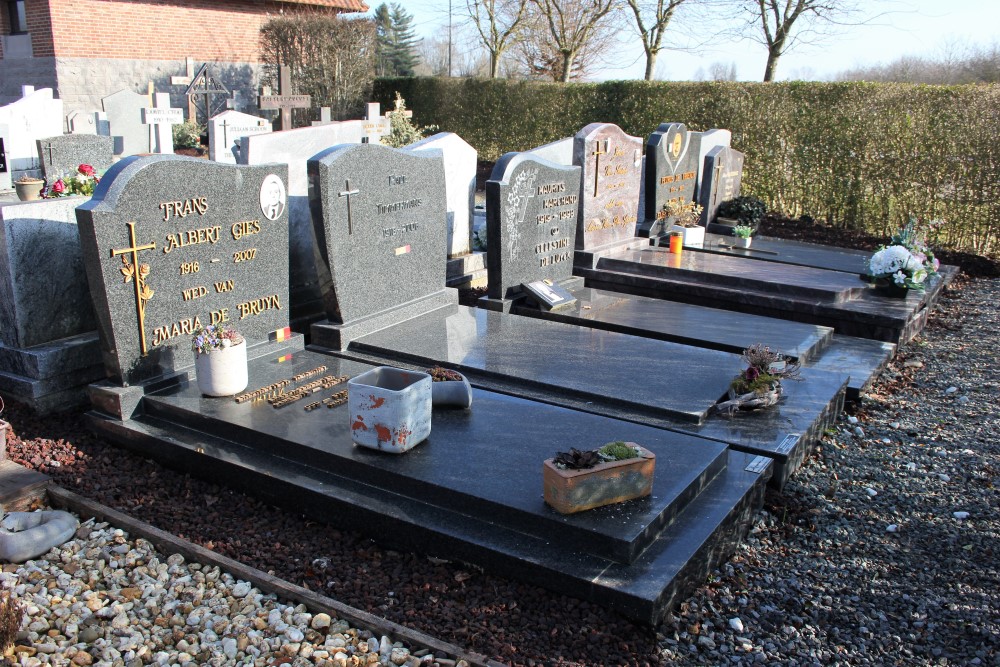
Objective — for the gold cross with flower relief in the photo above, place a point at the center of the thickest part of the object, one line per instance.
(597, 160)
(138, 273)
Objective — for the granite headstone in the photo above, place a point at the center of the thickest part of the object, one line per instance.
(671, 169)
(460, 161)
(226, 130)
(723, 174)
(124, 110)
(5, 181)
(706, 141)
(531, 208)
(61, 155)
(380, 215)
(172, 242)
(559, 151)
(609, 185)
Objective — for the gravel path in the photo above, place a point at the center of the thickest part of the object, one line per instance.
(881, 550)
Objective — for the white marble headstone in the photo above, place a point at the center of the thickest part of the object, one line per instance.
(460, 160)
(227, 129)
(35, 116)
(124, 110)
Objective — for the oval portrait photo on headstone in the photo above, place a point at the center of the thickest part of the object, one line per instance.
(272, 197)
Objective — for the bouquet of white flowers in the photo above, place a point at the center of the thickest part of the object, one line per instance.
(897, 265)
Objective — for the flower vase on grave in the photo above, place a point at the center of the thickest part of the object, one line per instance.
(223, 371)
(742, 242)
(390, 409)
(888, 287)
(449, 388)
(569, 491)
(29, 189)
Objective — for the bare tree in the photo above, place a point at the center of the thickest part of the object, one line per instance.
(498, 23)
(658, 15)
(782, 24)
(573, 25)
(719, 71)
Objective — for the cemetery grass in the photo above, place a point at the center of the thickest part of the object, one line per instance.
(861, 560)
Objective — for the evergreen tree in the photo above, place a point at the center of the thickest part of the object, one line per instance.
(397, 42)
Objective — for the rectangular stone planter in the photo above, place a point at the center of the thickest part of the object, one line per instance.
(571, 491)
(390, 408)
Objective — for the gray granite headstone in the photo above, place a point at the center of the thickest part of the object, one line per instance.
(671, 169)
(38, 306)
(226, 130)
(171, 242)
(723, 174)
(609, 185)
(531, 209)
(559, 151)
(380, 215)
(124, 110)
(61, 155)
(294, 148)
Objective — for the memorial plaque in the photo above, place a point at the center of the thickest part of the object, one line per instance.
(723, 173)
(671, 169)
(609, 186)
(170, 243)
(549, 295)
(380, 218)
(531, 206)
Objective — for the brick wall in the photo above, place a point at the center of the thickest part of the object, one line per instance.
(206, 30)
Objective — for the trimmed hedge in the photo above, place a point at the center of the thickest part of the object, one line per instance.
(859, 155)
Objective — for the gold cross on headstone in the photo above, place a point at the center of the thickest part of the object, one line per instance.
(597, 161)
(347, 193)
(138, 273)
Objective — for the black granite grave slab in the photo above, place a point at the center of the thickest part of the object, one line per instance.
(607, 373)
(856, 309)
(741, 273)
(172, 242)
(586, 363)
(785, 251)
(697, 326)
(452, 495)
(531, 222)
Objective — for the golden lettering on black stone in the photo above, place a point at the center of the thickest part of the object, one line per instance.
(192, 237)
(258, 306)
(182, 209)
(245, 228)
(187, 326)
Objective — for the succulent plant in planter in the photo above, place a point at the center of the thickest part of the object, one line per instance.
(449, 388)
(743, 234)
(580, 480)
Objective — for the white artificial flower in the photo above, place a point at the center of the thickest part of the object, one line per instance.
(899, 278)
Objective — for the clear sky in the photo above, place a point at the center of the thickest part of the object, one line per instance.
(916, 27)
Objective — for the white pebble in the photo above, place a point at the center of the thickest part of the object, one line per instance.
(871, 492)
(894, 425)
(320, 621)
(242, 589)
(943, 477)
(229, 648)
(736, 624)
(892, 528)
(852, 420)
(951, 390)
(911, 466)
(858, 431)
(960, 515)
(294, 635)
(963, 399)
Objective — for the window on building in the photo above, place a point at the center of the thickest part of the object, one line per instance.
(18, 19)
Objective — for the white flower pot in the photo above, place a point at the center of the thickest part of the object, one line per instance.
(390, 408)
(452, 393)
(222, 372)
(742, 243)
(694, 237)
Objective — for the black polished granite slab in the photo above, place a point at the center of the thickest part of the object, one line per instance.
(863, 358)
(454, 496)
(740, 273)
(699, 326)
(866, 314)
(591, 365)
(53, 376)
(784, 251)
(626, 380)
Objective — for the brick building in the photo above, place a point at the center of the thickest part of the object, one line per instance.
(87, 49)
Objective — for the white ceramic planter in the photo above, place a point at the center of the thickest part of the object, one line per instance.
(222, 372)
(694, 237)
(742, 243)
(452, 393)
(390, 408)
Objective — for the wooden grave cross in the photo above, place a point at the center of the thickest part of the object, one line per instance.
(284, 100)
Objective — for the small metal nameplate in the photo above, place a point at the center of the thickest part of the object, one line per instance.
(788, 444)
(758, 464)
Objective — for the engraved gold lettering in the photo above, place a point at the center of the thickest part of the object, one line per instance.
(551, 188)
(245, 228)
(192, 237)
(219, 316)
(258, 306)
(182, 209)
(194, 292)
(164, 333)
(225, 286)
